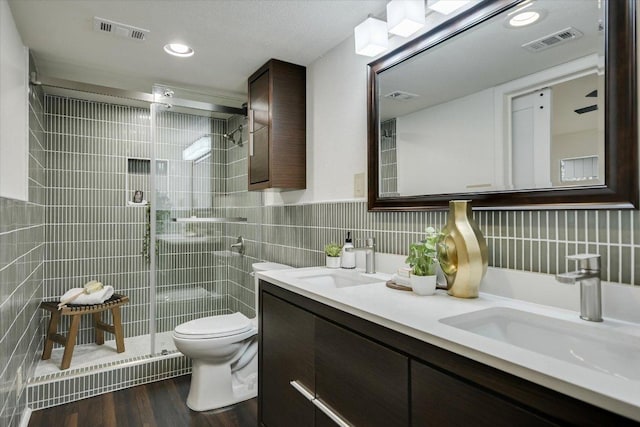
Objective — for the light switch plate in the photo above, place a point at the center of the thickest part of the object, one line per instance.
(358, 185)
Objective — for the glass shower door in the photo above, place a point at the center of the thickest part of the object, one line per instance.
(188, 225)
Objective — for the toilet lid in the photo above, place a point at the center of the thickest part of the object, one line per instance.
(214, 326)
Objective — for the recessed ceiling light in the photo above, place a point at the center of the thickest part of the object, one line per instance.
(524, 18)
(179, 49)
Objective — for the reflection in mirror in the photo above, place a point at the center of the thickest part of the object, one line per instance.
(528, 117)
(506, 110)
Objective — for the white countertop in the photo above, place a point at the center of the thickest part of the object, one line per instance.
(418, 317)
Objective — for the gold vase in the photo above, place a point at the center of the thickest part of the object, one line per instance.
(462, 253)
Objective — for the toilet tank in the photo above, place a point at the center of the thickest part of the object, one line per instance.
(264, 266)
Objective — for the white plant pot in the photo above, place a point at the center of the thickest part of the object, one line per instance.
(423, 285)
(333, 261)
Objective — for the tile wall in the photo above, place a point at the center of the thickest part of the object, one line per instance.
(241, 203)
(91, 231)
(94, 233)
(98, 155)
(22, 248)
(537, 241)
(388, 159)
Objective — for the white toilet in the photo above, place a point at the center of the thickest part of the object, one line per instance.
(223, 351)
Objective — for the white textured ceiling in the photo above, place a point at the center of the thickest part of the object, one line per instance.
(232, 38)
(492, 54)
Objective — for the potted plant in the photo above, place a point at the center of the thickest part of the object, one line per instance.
(423, 261)
(332, 251)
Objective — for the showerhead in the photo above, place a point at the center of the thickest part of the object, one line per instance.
(230, 135)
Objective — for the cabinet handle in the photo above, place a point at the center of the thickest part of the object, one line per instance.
(329, 413)
(302, 390)
(251, 128)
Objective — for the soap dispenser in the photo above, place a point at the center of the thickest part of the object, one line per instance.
(348, 259)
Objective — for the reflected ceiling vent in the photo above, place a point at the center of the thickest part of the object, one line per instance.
(102, 25)
(552, 40)
(399, 95)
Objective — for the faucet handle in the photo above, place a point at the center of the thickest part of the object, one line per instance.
(586, 261)
(367, 242)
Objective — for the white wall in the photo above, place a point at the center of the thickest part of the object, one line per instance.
(337, 124)
(461, 130)
(14, 113)
(336, 127)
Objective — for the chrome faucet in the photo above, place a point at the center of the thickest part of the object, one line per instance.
(370, 252)
(588, 274)
(238, 246)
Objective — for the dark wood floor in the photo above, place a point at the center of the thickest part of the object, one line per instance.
(157, 404)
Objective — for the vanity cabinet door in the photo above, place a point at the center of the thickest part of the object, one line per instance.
(439, 399)
(286, 354)
(259, 129)
(363, 382)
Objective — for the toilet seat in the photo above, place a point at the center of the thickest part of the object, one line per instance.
(214, 327)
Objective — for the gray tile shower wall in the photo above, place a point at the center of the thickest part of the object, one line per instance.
(91, 232)
(239, 202)
(21, 275)
(388, 158)
(99, 154)
(537, 241)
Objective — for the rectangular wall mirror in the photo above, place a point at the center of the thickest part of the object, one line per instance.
(527, 116)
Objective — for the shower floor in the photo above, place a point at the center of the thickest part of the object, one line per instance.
(87, 355)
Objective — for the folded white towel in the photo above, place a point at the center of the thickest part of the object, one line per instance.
(401, 280)
(97, 297)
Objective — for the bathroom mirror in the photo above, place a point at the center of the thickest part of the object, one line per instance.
(533, 116)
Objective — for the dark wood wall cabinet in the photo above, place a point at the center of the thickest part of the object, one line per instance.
(277, 127)
(320, 366)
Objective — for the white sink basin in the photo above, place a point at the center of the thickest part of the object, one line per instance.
(332, 278)
(605, 351)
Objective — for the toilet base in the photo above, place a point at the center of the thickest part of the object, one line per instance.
(215, 386)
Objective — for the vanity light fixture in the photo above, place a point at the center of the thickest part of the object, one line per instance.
(371, 37)
(446, 7)
(405, 17)
(179, 50)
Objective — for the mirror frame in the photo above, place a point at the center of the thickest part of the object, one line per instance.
(621, 121)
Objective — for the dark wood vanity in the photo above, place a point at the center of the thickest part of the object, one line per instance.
(369, 375)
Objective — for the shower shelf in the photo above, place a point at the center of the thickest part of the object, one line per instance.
(200, 220)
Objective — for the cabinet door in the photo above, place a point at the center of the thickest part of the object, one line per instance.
(259, 128)
(439, 399)
(362, 382)
(286, 354)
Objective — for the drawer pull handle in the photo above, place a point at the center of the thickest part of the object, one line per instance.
(302, 390)
(329, 413)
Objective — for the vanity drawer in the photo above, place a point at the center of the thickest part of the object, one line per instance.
(440, 399)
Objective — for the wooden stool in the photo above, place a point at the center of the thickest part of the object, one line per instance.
(75, 311)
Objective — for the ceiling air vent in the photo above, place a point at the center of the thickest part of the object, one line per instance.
(401, 95)
(552, 40)
(102, 25)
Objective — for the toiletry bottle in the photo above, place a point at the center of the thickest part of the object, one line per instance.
(348, 259)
